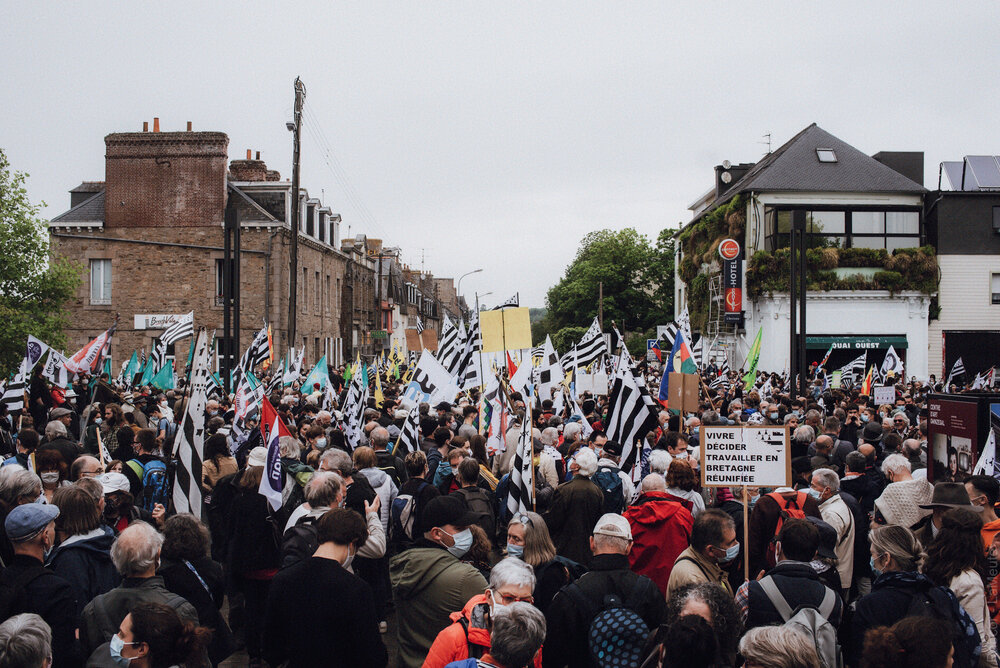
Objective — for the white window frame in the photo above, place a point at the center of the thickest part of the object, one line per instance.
(100, 289)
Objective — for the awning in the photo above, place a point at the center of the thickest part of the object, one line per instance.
(856, 342)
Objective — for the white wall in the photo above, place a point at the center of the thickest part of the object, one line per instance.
(964, 297)
(868, 312)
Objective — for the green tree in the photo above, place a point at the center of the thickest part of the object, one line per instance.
(567, 337)
(659, 276)
(33, 287)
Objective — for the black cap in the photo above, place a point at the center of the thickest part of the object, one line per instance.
(872, 432)
(613, 448)
(444, 510)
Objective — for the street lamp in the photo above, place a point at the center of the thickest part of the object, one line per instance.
(458, 290)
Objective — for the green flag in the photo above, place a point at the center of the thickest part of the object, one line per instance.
(107, 366)
(164, 378)
(348, 372)
(752, 358)
(319, 374)
(132, 368)
(147, 372)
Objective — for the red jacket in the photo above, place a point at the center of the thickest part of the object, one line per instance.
(661, 530)
(453, 645)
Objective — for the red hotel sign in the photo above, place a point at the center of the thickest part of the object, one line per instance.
(732, 278)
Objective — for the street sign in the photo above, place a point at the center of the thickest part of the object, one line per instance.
(751, 456)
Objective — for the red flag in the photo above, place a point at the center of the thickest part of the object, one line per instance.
(88, 358)
(511, 367)
(267, 418)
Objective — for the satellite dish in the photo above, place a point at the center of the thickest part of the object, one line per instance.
(726, 164)
(726, 177)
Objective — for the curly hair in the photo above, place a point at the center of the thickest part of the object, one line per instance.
(184, 537)
(957, 547)
(681, 475)
(912, 642)
(725, 616)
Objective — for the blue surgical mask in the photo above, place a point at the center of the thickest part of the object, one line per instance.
(732, 552)
(753, 501)
(515, 550)
(875, 571)
(320, 443)
(864, 417)
(773, 416)
(814, 493)
(463, 541)
(696, 430)
(97, 420)
(116, 651)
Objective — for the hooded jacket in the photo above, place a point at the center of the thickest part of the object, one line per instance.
(86, 564)
(428, 584)
(661, 530)
(452, 644)
(386, 489)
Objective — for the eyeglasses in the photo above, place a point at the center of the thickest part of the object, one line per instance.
(523, 519)
(507, 599)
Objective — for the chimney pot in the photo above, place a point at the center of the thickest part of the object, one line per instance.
(145, 126)
(248, 154)
(258, 155)
(189, 126)
(156, 124)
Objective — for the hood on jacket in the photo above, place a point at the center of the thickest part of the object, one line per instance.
(98, 544)
(475, 612)
(376, 476)
(413, 571)
(653, 508)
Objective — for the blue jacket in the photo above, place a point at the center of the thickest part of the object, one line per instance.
(86, 565)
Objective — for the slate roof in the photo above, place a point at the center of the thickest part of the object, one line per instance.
(90, 210)
(89, 187)
(794, 167)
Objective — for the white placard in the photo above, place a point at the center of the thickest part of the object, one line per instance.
(884, 395)
(753, 456)
(595, 383)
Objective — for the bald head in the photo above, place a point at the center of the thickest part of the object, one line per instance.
(824, 444)
(380, 437)
(654, 482)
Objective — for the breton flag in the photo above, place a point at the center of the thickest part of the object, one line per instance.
(354, 407)
(448, 352)
(88, 358)
(189, 443)
(183, 327)
(512, 302)
(698, 351)
(420, 324)
(592, 346)
(521, 491)
(853, 370)
(468, 370)
(684, 324)
(294, 368)
(987, 464)
(13, 394)
(668, 336)
(550, 371)
(957, 369)
(272, 483)
(254, 355)
(631, 412)
(409, 435)
(722, 380)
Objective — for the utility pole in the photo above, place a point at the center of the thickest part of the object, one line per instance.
(600, 305)
(293, 264)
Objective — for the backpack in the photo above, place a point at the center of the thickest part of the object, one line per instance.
(811, 621)
(155, 482)
(934, 602)
(787, 508)
(477, 502)
(387, 463)
(12, 589)
(610, 482)
(570, 570)
(615, 629)
(403, 515)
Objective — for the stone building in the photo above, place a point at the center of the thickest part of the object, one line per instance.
(150, 237)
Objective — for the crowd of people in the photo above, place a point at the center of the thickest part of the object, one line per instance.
(859, 561)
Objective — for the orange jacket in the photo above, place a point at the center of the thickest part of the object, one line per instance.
(453, 645)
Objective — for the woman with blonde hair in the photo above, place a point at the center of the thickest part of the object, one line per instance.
(777, 647)
(528, 539)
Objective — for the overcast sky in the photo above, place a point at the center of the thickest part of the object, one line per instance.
(496, 135)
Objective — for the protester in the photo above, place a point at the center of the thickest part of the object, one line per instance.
(154, 635)
(528, 539)
(715, 605)
(576, 506)
(903, 499)
(713, 542)
(25, 642)
(517, 634)
(778, 647)
(912, 642)
(661, 530)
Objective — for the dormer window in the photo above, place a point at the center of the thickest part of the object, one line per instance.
(826, 155)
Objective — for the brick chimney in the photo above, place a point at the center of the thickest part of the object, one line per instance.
(165, 179)
(251, 169)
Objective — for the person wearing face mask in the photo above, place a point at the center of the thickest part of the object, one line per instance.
(320, 593)
(53, 471)
(31, 530)
(825, 488)
(713, 542)
(984, 491)
(428, 580)
(154, 635)
(511, 581)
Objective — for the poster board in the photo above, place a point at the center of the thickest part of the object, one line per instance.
(413, 340)
(757, 456)
(429, 339)
(953, 437)
(682, 391)
(595, 383)
(884, 395)
(506, 329)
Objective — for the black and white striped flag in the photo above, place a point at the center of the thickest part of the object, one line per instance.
(468, 374)
(354, 407)
(420, 324)
(448, 352)
(254, 355)
(409, 435)
(722, 380)
(189, 444)
(513, 302)
(854, 371)
(631, 412)
(957, 369)
(592, 346)
(13, 394)
(184, 326)
(520, 491)
(668, 336)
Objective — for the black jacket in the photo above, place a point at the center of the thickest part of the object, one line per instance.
(319, 614)
(799, 584)
(86, 565)
(205, 592)
(252, 543)
(50, 597)
(568, 620)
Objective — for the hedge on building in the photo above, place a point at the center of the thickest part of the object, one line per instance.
(699, 252)
(905, 269)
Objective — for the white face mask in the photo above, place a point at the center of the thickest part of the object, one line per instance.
(350, 558)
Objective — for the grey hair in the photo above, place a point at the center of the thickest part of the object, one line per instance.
(550, 436)
(137, 549)
(778, 646)
(654, 482)
(512, 572)
(324, 414)
(380, 437)
(804, 434)
(855, 462)
(605, 542)
(587, 461)
(17, 482)
(289, 447)
(789, 417)
(54, 428)
(895, 463)
(571, 431)
(25, 642)
(828, 478)
(337, 460)
(322, 489)
(659, 461)
(710, 418)
(517, 633)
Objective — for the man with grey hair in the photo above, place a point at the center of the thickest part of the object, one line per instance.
(576, 505)
(387, 461)
(802, 438)
(518, 632)
(572, 432)
(825, 488)
(25, 642)
(57, 438)
(511, 581)
(358, 492)
(571, 612)
(136, 555)
(901, 500)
